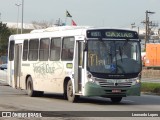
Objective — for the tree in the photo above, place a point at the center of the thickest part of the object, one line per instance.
(5, 32)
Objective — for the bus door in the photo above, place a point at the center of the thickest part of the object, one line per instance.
(17, 65)
(78, 66)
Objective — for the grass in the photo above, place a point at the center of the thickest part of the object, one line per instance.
(151, 87)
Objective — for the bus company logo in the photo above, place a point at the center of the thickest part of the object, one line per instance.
(44, 68)
(6, 114)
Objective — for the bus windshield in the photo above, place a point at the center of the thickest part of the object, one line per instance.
(114, 56)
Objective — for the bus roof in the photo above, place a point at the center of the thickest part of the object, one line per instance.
(52, 32)
(64, 28)
(59, 31)
(60, 28)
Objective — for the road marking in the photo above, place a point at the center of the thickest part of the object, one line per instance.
(128, 101)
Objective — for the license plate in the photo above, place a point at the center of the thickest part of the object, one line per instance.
(116, 91)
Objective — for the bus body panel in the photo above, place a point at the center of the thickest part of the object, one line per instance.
(43, 73)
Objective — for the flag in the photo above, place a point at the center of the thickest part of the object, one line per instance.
(68, 14)
(73, 23)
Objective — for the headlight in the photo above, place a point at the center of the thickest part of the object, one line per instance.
(138, 81)
(90, 77)
(135, 80)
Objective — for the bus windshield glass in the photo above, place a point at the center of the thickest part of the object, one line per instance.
(114, 56)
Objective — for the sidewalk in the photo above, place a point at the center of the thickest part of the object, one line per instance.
(151, 80)
(3, 76)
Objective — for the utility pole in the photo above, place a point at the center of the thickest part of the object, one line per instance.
(147, 23)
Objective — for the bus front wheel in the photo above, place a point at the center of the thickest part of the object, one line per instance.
(30, 91)
(70, 96)
(116, 99)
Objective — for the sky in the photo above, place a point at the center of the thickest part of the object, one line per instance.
(106, 13)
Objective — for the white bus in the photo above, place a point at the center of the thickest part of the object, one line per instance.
(76, 61)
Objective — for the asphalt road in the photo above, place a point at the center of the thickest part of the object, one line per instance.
(17, 100)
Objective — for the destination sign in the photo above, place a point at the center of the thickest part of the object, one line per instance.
(112, 33)
(119, 34)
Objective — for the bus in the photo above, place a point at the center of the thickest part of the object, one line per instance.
(76, 61)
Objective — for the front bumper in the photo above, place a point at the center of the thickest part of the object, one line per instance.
(92, 89)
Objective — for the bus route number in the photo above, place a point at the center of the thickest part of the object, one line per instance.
(96, 34)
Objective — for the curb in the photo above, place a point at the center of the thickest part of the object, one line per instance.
(150, 93)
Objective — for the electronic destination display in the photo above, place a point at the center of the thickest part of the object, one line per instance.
(111, 33)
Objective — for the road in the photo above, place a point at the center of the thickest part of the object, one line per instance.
(17, 100)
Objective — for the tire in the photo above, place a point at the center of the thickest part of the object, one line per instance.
(116, 99)
(65, 94)
(30, 91)
(38, 93)
(70, 96)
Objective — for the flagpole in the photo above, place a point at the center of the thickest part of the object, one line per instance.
(71, 21)
(66, 20)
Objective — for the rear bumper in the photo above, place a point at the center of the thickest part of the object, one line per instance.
(92, 89)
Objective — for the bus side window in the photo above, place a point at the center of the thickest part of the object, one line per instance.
(11, 50)
(68, 48)
(55, 49)
(25, 50)
(44, 49)
(33, 49)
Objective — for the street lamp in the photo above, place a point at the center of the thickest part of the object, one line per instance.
(0, 16)
(22, 16)
(133, 25)
(18, 5)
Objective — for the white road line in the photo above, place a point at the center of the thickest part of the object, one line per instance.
(128, 101)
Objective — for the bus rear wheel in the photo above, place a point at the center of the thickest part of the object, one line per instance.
(116, 99)
(30, 91)
(70, 96)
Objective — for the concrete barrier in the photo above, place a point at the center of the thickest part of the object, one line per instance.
(150, 73)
